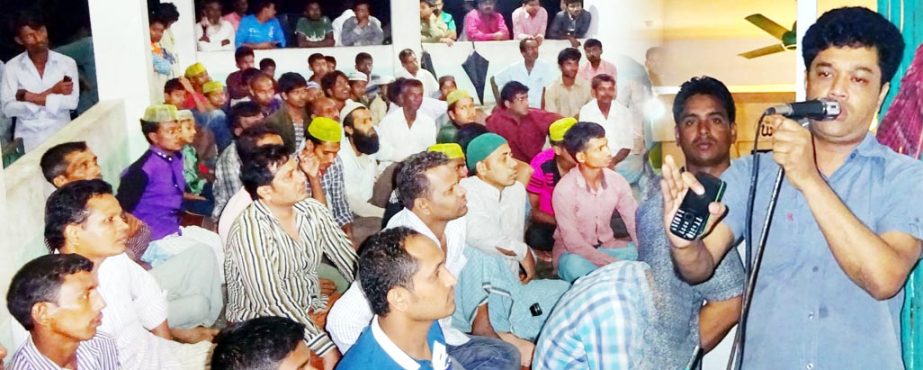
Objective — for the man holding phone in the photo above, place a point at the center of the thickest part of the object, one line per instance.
(38, 87)
(848, 226)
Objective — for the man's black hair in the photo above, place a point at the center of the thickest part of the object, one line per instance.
(411, 180)
(523, 42)
(315, 57)
(385, 264)
(591, 43)
(259, 5)
(856, 27)
(172, 85)
(256, 344)
(579, 135)
(33, 20)
(511, 89)
(330, 59)
(569, 54)
(260, 168)
(330, 80)
(166, 12)
(404, 54)
(67, 206)
(241, 110)
(599, 79)
(468, 132)
(40, 280)
(704, 85)
(267, 62)
(54, 162)
(289, 81)
(242, 52)
(246, 144)
(363, 56)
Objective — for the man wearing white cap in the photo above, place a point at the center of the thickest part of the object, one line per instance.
(360, 169)
(358, 82)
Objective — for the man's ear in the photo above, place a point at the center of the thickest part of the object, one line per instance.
(884, 93)
(580, 157)
(348, 130)
(481, 167)
(265, 192)
(398, 299)
(17, 39)
(59, 181)
(41, 314)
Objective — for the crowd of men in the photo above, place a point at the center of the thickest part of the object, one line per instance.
(361, 221)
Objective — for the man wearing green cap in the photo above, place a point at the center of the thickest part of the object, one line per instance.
(461, 111)
(548, 168)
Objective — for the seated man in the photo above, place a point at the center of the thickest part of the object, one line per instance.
(432, 28)
(323, 138)
(318, 66)
(531, 71)
(595, 65)
(601, 323)
(192, 278)
(435, 207)
(84, 218)
(263, 92)
(530, 21)
(616, 119)
(227, 170)
(524, 128)
(409, 288)
(485, 23)
(213, 115)
(407, 130)
(260, 30)
(584, 202)
(362, 29)
(461, 111)
(571, 23)
(314, 29)
(238, 87)
(335, 85)
(291, 121)
(55, 298)
(360, 169)
(411, 70)
(260, 344)
(567, 94)
(548, 168)
(213, 33)
(276, 246)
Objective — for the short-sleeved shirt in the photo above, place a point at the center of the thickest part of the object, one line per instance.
(251, 31)
(543, 180)
(314, 30)
(374, 350)
(97, 353)
(542, 74)
(674, 334)
(807, 312)
(567, 101)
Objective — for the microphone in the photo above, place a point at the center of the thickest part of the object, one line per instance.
(820, 109)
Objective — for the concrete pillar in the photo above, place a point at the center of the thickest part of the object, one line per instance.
(405, 28)
(806, 16)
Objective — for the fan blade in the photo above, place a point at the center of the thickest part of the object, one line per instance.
(772, 49)
(766, 24)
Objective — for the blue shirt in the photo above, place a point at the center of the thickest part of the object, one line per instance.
(600, 323)
(374, 350)
(806, 311)
(251, 31)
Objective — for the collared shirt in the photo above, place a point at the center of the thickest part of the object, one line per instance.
(584, 215)
(270, 274)
(375, 349)
(334, 189)
(564, 25)
(600, 323)
(360, 171)
(314, 31)
(481, 28)
(587, 72)
(430, 84)
(252, 31)
(398, 141)
(97, 353)
(232, 209)
(496, 219)
(135, 304)
(227, 179)
(194, 183)
(567, 101)
(542, 74)
(526, 26)
(152, 189)
(216, 33)
(448, 20)
(351, 313)
(433, 29)
(545, 176)
(233, 18)
(527, 136)
(356, 35)
(819, 317)
(620, 132)
(35, 123)
(674, 335)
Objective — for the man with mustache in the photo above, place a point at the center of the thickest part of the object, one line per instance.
(616, 119)
(360, 170)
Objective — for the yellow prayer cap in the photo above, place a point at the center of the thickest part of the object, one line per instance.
(160, 113)
(212, 86)
(325, 129)
(455, 96)
(557, 129)
(451, 150)
(184, 115)
(195, 69)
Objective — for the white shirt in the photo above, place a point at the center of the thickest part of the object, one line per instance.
(135, 303)
(432, 107)
(234, 207)
(398, 141)
(359, 175)
(430, 84)
(497, 219)
(337, 25)
(36, 123)
(619, 128)
(224, 30)
(543, 73)
(351, 313)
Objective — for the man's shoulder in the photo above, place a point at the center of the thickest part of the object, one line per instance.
(366, 353)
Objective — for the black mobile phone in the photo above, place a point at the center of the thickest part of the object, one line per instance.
(692, 216)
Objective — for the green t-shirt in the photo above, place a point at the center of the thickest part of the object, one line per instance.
(194, 183)
(314, 30)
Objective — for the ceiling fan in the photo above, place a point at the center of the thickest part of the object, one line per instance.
(786, 37)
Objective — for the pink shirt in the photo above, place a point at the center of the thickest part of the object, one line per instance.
(543, 179)
(480, 28)
(584, 216)
(525, 25)
(233, 18)
(587, 72)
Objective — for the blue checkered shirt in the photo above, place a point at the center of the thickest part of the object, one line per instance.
(333, 184)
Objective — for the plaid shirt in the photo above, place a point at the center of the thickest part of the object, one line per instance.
(600, 323)
(333, 184)
(227, 179)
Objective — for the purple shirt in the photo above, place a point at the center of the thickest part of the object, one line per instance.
(543, 179)
(152, 190)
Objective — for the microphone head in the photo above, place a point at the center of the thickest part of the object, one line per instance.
(820, 109)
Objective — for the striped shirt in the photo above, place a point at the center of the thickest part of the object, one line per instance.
(98, 353)
(335, 190)
(270, 274)
(600, 322)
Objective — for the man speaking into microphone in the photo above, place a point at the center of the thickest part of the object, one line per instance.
(849, 220)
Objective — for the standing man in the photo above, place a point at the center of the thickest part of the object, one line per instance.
(260, 30)
(531, 71)
(571, 23)
(412, 70)
(38, 85)
(595, 65)
(530, 21)
(838, 254)
(689, 316)
(567, 94)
